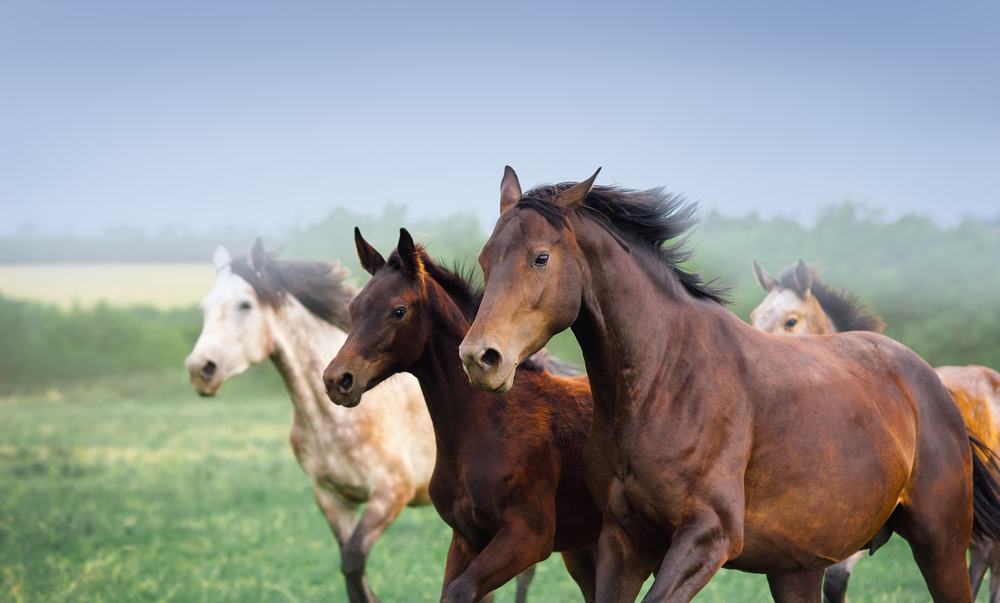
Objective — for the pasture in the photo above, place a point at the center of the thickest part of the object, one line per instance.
(111, 496)
(160, 285)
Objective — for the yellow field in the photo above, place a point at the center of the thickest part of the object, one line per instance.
(159, 285)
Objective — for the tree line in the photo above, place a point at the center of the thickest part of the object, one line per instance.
(937, 288)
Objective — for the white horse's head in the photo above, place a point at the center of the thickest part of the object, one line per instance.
(798, 302)
(236, 331)
(790, 307)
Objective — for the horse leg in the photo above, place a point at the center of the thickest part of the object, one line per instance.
(621, 569)
(979, 559)
(699, 548)
(385, 502)
(515, 548)
(802, 587)
(835, 579)
(582, 567)
(935, 516)
(523, 580)
(343, 520)
(460, 557)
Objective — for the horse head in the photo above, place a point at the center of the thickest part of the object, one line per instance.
(790, 307)
(236, 331)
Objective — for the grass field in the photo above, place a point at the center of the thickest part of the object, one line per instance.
(159, 285)
(107, 496)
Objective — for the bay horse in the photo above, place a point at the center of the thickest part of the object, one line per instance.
(799, 302)
(509, 475)
(715, 444)
(295, 313)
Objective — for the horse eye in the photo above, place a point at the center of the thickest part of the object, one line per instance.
(542, 259)
(399, 313)
(791, 323)
(245, 305)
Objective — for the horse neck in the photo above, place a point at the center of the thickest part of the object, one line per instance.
(638, 329)
(455, 406)
(302, 346)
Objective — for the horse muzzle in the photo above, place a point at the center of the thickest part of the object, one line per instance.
(343, 387)
(487, 367)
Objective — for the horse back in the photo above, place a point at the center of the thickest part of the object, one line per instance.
(976, 390)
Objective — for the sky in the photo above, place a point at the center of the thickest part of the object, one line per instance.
(259, 116)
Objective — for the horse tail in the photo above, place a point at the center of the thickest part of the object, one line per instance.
(985, 491)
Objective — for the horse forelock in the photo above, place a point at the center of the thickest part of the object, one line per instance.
(320, 287)
(648, 219)
(460, 283)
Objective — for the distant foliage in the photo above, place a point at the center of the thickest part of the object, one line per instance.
(43, 344)
(458, 237)
(938, 289)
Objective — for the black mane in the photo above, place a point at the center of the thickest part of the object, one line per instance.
(319, 286)
(844, 308)
(647, 219)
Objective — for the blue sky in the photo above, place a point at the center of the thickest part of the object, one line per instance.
(259, 116)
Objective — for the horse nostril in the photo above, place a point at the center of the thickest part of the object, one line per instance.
(344, 383)
(208, 370)
(490, 358)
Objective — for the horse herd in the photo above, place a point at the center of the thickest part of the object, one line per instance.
(694, 442)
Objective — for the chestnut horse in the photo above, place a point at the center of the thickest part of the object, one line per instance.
(715, 444)
(295, 313)
(509, 475)
(799, 302)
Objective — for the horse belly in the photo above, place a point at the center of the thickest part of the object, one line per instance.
(805, 511)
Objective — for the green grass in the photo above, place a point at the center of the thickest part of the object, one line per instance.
(169, 497)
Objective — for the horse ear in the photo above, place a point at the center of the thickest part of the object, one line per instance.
(575, 194)
(510, 189)
(371, 260)
(764, 278)
(409, 257)
(221, 259)
(803, 278)
(258, 257)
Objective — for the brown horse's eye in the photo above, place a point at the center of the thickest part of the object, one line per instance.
(399, 313)
(791, 322)
(542, 259)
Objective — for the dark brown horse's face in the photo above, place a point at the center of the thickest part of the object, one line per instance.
(388, 330)
(533, 273)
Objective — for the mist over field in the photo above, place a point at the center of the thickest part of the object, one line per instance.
(934, 286)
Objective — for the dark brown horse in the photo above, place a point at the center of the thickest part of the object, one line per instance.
(509, 475)
(714, 444)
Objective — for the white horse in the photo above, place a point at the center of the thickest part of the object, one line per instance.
(799, 303)
(381, 452)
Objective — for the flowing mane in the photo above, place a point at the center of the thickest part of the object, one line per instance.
(319, 286)
(647, 218)
(843, 307)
